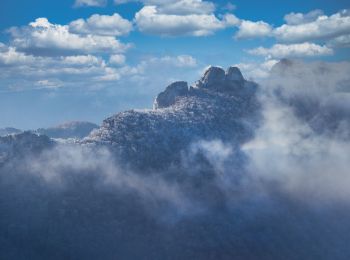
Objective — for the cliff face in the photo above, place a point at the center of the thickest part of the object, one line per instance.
(221, 105)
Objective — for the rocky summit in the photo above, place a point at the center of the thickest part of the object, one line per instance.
(221, 105)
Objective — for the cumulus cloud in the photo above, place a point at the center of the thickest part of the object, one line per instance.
(160, 71)
(314, 26)
(256, 71)
(9, 56)
(230, 7)
(106, 25)
(178, 61)
(305, 49)
(44, 38)
(117, 59)
(340, 42)
(22, 71)
(180, 17)
(305, 29)
(178, 7)
(249, 29)
(79, 3)
(150, 20)
(183, 7)
(26, 71)
(82, 60)
(300, 18)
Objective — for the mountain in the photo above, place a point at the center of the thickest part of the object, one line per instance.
(174, 182)
(22, 144)
(74, 129)
(9, 131)
(221, 105)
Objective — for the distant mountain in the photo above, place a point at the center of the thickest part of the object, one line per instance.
(9, 131)
(22, 144)
(221, 105)
(74, 129)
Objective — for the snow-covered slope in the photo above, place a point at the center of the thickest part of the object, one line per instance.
(221, 105)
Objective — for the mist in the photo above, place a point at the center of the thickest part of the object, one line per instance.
(282, 194)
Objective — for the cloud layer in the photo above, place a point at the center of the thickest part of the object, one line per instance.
(79, 3)
(105, 25)
(300, 50)
(44, 38)
(284, 193)
(152, 20)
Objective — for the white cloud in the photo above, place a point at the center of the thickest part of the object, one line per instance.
(152, 74)
(340, 42)
(230, 7)
(323, 27)
(256, 71)
(230, 20)
(300, 18)
(185, 7)
(178, 7)
(106, 25)
(44, 38)
(179, 17)
(90, 3)
(178, 61)
(47, 84)
(331, 30)
(82, 60)
(249, 29)
(306, 131)
(117, 59)
(150, 20)
(9, 56)
(21, 71)
(292, 50)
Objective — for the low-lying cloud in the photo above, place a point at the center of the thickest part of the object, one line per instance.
(283, 194)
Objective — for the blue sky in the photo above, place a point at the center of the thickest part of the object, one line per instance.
(88, 59)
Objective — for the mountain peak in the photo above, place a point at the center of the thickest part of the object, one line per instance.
(169, 96)
(212, 76)
(215, 78)
(181, 116)
(234, 74)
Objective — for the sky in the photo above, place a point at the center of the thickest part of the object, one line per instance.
(89, 59)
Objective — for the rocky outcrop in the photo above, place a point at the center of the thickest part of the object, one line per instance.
(221, 105)
(216, 79)
(171, 93)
